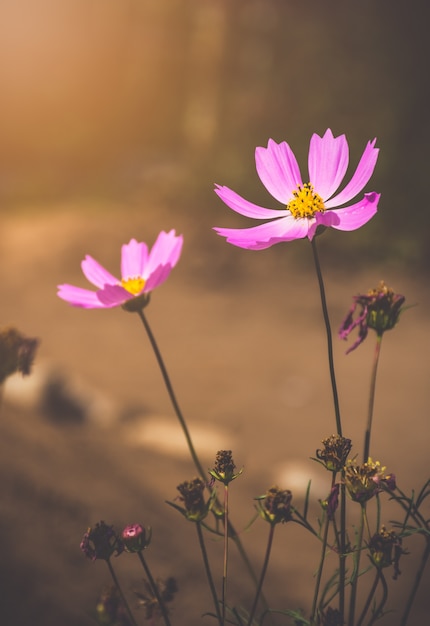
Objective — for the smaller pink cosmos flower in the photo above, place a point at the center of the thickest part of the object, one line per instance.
(142, 270)
(307, 205)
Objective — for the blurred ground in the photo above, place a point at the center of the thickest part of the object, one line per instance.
(243, 340)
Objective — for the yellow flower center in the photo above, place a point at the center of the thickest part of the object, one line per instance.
(133, 285)
(305, 202)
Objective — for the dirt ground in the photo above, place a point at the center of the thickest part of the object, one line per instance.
(243, 340)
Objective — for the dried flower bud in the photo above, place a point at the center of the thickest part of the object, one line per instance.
(275, 505)
(100, 542)
(331, 503)
(366, 480)
(135, 538)
(195, 508)
(16, 353)
(379, 310)
(223, 470)
(385, 549)
(335, 452)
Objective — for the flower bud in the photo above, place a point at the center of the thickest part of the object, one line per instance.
(275, 506)
(135, 538)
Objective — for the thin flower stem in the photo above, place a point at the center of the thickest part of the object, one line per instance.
(233, 534)
(172, 396)
(320, 570)
(208, 572)
(372, 398)
(417, 581)
(329, 337)
(322, 560)
(154, 588)
(342, 555)
(369, 599)
(356, 572)
(378, 611)
(225, 561)
(263, 573)
(117, 585)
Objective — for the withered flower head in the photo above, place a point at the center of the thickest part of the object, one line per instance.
(385, 549)
(195, 508)
(100, 542)
(335, 452)
(147, 599)
(379, 310)
(223, 470)
(275, 505)
(17, 353)
(366, 480)
(135, 538)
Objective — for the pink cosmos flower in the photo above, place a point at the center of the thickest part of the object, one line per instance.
(141, 270)
(307, 205)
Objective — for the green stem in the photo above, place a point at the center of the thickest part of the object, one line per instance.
(369, 599)
(321, 565)
(356, 572)
(263, 573)
(117, 585)
(208, 572)
(372, 398)
(329, 337)
(154, 588)
(378, 611)
(342, 556)
(416, 584)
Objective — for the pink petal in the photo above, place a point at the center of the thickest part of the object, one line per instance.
(158, 276)
(165, 251)
(327, 162)
(79, 297)
(354, 216)
(278, 170)
(360, 178)
(113, 295)
(133, 258)
(268, 234)
(243, 207)
(96, 273)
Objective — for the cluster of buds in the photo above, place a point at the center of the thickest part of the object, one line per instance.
(379, 310)
(224, 468)
(385, 549)
(101, 542)
(335, 452)
(366, 480)
(16, 353)
(275, 506)
(330, 617)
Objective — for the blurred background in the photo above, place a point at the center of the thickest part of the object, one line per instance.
(116, 119)
(98, 98)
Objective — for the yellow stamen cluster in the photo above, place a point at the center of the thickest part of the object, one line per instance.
(306, 202)
(133, 285)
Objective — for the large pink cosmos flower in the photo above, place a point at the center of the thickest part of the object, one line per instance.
(141, 270)
(307, 205)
